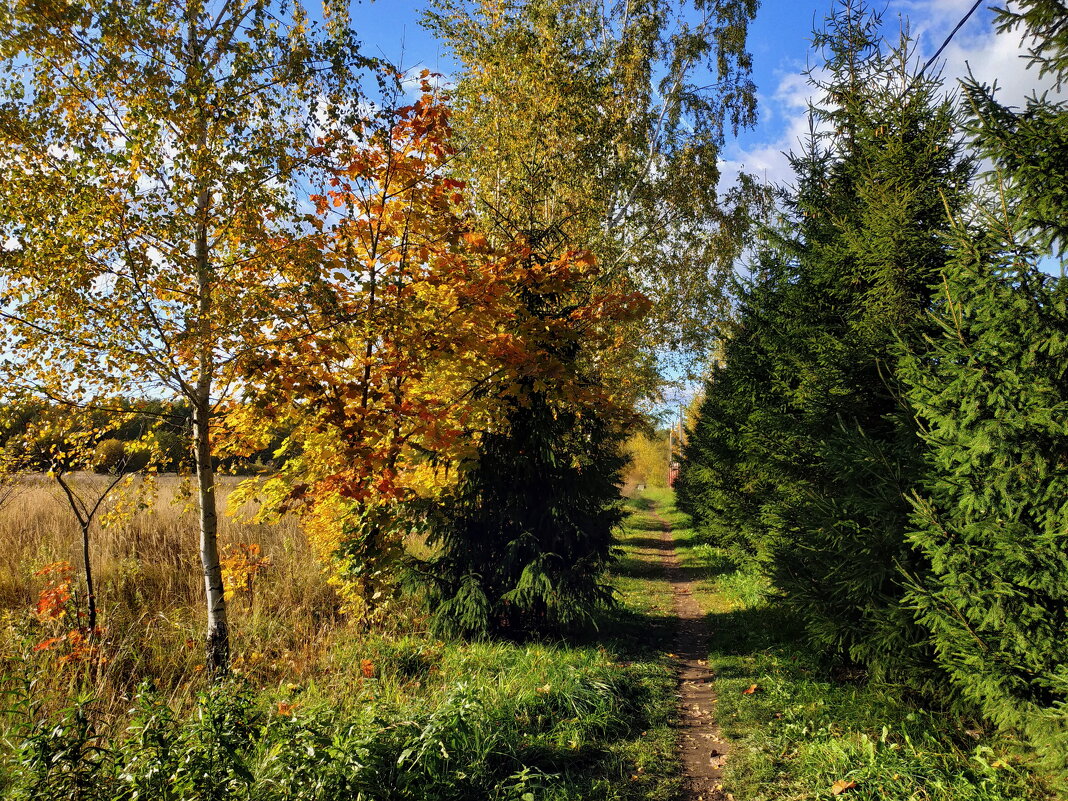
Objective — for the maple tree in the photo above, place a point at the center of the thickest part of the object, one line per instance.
(154, 152)
(424, 337)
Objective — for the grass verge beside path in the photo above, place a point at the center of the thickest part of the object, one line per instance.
(803, 734)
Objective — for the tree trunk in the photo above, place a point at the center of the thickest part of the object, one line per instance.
(218, 637)
(218, 634)
(90, 590)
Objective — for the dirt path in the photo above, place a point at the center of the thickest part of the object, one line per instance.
(701, 746)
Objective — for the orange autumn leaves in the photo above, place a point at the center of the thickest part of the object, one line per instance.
(72, 642)
(417, 331)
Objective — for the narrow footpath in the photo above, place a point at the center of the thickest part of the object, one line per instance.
(701, 746)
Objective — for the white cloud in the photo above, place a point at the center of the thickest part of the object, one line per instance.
(976, 47)
(990, 57)
(785, 110)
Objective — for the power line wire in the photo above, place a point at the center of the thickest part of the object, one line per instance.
(949, 38)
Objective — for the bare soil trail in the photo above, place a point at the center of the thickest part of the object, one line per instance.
(701, 745)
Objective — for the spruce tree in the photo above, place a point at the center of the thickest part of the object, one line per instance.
(524, 538)
(817, 422)
(527, 534)
(726, 479)
(992, 392)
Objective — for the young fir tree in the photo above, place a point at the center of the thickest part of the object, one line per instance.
(816, 418)
(992, 392)
(528, 531)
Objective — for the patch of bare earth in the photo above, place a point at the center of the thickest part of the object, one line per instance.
(701, 745)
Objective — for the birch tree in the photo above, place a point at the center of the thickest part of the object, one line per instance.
(601, 125)
(154, 155)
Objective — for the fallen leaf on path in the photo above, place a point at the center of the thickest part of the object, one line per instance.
(842, 786)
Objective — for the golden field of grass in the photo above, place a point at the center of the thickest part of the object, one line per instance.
(150, 590)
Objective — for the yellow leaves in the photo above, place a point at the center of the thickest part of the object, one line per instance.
(258, 500)
(475, 240)
(241, 431)
(324, 524)
(842, 786)
(241, 564)
(584, 260)
(425, 479)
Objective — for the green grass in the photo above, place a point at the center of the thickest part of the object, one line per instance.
(805, 728)
(399, 714)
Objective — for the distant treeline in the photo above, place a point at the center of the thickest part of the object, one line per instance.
(888, 434)
(123, 435)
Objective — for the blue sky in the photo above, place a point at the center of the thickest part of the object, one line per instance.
(780, 40)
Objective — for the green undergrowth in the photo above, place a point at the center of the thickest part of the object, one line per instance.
(399, 716)
(807, 725)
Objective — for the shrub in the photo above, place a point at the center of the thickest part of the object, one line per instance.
(116, 456)
(109, 455)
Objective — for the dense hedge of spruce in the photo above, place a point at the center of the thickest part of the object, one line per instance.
(887, 435)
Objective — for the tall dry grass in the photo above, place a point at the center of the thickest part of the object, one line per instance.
(150, 590)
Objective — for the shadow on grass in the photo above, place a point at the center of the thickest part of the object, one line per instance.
(631, 634)
(713, 566)
(682, 574)
(629, 567)
(753, 629)
(645, 524)
(654, 543)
